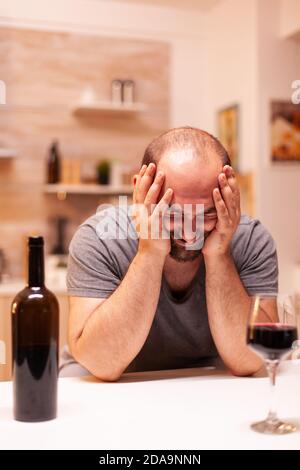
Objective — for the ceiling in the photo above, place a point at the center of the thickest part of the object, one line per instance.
(182, 4)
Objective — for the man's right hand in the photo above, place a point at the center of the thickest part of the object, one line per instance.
(148, 212)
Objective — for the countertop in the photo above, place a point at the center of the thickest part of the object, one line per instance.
(179, 409)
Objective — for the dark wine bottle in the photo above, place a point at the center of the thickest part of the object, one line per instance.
(54, 165)
(35, 331)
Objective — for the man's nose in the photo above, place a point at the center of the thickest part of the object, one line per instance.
(189, 235)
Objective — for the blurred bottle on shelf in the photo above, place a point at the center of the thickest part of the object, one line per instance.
(103, 171)
(54, 164)
(116, 92)
(128, 92)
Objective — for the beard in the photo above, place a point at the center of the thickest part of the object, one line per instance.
(182, 254)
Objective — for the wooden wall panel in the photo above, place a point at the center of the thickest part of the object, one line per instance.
(45, 74)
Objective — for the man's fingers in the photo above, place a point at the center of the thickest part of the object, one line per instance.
(159, 227)
(222, 212)
(137, 181)
(142, 171)
(164, 203)
(167, 197)
(232, 180)
(228, 195)
(233, 183)
(229, 172)
(145, 182)
(154, 190)
(226, 190)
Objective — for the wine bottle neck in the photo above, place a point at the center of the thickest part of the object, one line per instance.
(36, 277)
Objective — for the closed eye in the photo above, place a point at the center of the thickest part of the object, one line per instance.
(210, 215)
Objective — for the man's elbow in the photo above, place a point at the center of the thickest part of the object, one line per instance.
(246, 370)
(241, 372)
(106, 373)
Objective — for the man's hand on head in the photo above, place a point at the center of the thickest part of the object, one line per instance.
(227, 203)
(149, 211)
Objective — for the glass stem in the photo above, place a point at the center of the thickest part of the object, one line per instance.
(272, 370)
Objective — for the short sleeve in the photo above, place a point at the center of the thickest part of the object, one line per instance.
(91, 268)
(256, 258)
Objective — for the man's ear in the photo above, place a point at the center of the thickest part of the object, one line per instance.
(134, 180)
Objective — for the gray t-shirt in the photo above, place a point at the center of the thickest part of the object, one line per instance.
(180, 335)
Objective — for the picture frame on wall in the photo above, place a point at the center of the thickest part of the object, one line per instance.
(285, 132)
(228, 132)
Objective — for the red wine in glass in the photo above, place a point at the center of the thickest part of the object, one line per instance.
(271, 340)
(272, 333)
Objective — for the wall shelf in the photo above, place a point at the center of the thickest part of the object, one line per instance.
(107, 107)
(6, 153)
(87, 189)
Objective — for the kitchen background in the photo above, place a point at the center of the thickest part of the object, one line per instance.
(47, 75)
(188, 61)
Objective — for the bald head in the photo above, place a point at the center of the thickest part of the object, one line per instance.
(191, 161)
(195, 142)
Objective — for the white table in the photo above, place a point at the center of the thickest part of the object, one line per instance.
(183, 409)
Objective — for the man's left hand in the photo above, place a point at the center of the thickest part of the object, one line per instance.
(227, 203)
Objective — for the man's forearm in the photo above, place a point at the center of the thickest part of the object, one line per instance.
(228, 307)
(115, 332)
(118, 328)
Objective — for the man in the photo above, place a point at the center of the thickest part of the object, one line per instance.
(149, 303)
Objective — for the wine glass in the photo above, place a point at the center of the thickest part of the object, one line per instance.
(272, 334)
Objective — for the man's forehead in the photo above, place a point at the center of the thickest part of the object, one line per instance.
(192, 188)
(188, 173)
